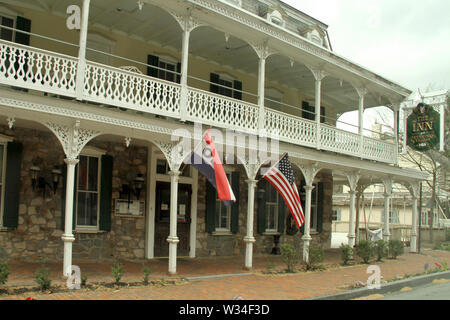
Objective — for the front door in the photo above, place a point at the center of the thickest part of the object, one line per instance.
(162, 218)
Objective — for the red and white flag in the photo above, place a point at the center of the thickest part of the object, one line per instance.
(281, 176)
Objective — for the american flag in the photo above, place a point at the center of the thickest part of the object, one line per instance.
(281, 176)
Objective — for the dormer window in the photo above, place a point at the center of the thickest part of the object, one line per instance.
(315, 37)
(276, 18)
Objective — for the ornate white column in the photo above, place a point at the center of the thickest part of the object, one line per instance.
(249, 239)
(173, 239)
(73, 139)
(309, 172)
(387, 197)
(361, 93)
(319, 75)
(353, 179)
(68, 237)
(82, 50)
(414, 190)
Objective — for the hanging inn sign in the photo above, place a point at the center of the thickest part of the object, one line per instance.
(423, 128)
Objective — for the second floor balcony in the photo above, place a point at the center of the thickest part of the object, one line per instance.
(189, 64)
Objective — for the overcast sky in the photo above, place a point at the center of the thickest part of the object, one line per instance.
(406, 41)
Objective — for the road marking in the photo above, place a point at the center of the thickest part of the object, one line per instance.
(371, 297)
(440, 281)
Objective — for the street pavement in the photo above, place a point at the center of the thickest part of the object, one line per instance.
(434, 291)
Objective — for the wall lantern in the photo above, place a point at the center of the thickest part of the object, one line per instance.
(39, 182)
(138, 184)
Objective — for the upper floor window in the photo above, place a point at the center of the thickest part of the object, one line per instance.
(167, 68)
(276, 18)
(7, 34)
(225, 85)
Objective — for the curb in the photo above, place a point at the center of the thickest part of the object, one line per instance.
(387, 287)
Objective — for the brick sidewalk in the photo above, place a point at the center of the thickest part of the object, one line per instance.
(253, 286)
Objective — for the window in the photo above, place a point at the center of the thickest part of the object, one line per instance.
(272, 203)
(87, 201)
(309, 112)
(393, 217)
(2, 173)
(167, 68)
(223, 213)
(336, 215)
(276, 18)
(7, 34)
(225, 85)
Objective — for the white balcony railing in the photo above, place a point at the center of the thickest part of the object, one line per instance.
(37, 69)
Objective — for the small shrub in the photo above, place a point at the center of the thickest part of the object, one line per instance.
(4, 273)
(346, 253)
(117, 271)
(289, 256)
(396, 248)
(381, 249)
(315, 258)
(269, 266)
(83, 280)
(365, 250)
(42, 278)
(147, 271)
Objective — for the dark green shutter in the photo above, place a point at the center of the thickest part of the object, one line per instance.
(210, 208)
(214, 78)
(282, 211)
(322, 114)
(12, 184)
(178, 72)
(106, 193)
(301, 190)
(237, 92)
(63, 197)
(24, 25)
(152, 61)
(320, 200)
(261, 194)
(235, 206)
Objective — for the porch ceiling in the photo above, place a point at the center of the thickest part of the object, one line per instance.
(153, 24)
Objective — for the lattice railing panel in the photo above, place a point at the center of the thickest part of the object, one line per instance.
(337, 140)
(379, 150)
(117, 87)
(221, 111)
(37, 69)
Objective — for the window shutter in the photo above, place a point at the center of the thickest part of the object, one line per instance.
(24, 25)
(106, 193)
(262, 206)
(322, 114)
(152, 61)
(210, 216)
(12, 184)
(307, 111)
(63, 197)
(320, 201)
(235, 206)
(214, 78)
(179, 72)
(282, 212)
(237, 92)
(301, 190)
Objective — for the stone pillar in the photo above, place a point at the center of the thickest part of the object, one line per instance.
(306, 236)
(173, 239)
(68, 236)
(82, 50)
(249, 239)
